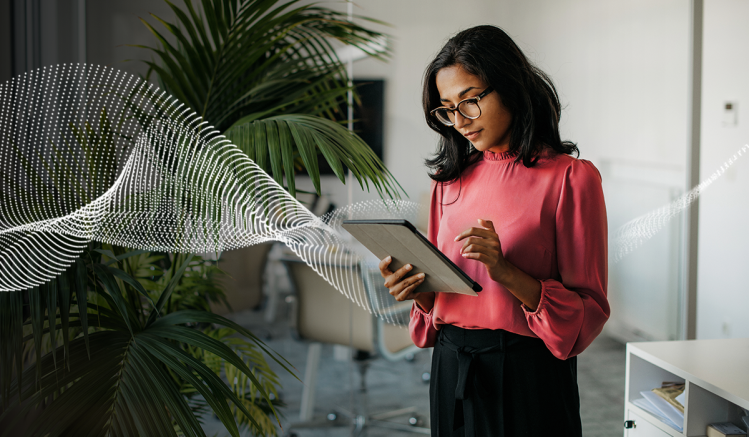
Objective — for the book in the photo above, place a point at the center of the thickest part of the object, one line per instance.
(675, 418)
(670, 392)
(724, 429)
(647, 406)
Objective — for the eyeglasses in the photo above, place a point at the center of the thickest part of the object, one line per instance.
(468, 108)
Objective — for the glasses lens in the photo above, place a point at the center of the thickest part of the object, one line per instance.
(445, 117)
(470, 109)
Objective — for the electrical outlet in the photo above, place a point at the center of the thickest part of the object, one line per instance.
(730, 114)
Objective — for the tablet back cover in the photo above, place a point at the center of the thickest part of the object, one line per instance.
(400, 242)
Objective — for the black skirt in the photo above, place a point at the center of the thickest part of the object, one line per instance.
(499, 384)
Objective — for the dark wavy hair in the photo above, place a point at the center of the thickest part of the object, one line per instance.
(527, 93)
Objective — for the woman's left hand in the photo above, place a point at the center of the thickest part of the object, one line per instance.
(482, 244)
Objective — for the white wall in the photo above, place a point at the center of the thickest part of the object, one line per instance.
(723, 294)
(619, 67)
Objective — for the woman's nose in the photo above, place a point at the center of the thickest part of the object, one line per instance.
(461, 121)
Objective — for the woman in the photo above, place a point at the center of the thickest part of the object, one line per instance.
(527, 221)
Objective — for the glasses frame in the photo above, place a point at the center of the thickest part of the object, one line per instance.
(477, 99)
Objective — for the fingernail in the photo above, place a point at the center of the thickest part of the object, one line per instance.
(389, 258)
(409, 266)
(464, 255)
(421, 275)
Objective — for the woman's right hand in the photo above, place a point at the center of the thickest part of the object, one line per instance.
(404, 288)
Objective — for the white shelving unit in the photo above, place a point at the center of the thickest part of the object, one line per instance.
(716, 374)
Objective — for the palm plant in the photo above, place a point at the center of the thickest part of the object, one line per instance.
(108, 357)
(122, 343)
(264, 73)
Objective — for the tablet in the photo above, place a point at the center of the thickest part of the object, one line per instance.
(401, 240)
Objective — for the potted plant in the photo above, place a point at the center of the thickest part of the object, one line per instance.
(121, 343)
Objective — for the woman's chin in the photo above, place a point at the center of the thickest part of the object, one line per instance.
(480, 146)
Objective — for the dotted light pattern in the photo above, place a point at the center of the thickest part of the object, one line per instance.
(89, 153)
(634, 233)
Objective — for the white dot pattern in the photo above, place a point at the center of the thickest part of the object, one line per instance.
(89, 153)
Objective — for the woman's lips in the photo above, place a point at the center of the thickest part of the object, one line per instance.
(472, 135)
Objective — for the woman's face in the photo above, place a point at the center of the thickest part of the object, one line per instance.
(491, 131)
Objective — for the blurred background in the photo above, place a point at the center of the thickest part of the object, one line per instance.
(653, 93)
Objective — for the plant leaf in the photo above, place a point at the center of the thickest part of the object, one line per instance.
(36, 309)
(79, 281)
(64, 288)
(168, 291)
(134, 282)
(268, 59)
(51, 289)
(114, 292)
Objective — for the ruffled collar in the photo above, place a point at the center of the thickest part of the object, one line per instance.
(504, 156)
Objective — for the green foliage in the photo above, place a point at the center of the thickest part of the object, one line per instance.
(265, 72)
(104, 355)
(123, 342)
(246, 390)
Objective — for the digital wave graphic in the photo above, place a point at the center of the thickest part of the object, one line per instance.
(89, 153)
(637, 231)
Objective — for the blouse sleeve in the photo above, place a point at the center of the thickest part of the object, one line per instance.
(573, 310)
(421, 327)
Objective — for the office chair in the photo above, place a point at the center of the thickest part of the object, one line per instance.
(244, 281)
(318, 311)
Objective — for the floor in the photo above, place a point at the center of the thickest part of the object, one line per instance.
(394, 385)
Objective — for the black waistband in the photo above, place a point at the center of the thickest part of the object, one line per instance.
(496, 339)
(468, 343)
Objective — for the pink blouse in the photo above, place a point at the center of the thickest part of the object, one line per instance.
(551, 222)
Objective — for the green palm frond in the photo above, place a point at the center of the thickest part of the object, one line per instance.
(141, 363)
(33, 321)
(245, 63)
(259, 138)
(242, 386)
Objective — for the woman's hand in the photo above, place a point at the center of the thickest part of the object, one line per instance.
(403, 288)
(483, 245)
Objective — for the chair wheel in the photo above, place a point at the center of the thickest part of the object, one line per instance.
(426, 377)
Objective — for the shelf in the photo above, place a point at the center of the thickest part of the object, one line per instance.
(715, 375)
(718, 366)
(643, 375)
(705, 407)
